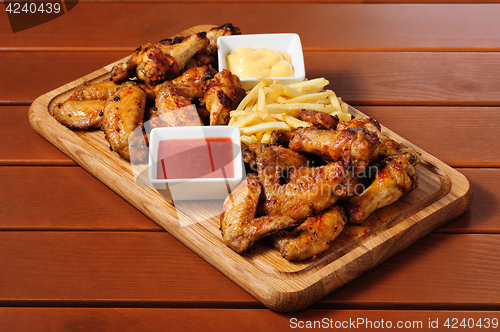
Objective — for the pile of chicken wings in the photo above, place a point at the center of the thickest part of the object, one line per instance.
(159, 84)
(304, 187)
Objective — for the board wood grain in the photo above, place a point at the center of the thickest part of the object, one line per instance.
(442, 195)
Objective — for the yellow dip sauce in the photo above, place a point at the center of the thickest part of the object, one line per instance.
(247, 62)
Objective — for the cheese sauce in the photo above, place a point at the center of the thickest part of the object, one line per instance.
(247, 62)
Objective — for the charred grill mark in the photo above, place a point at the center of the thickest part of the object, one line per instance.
(223, 98)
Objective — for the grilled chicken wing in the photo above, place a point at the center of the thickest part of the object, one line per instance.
(397, 176)
(287, 159)
(85, 107)
(156, 63)
(315, 190)
(196, 79)
(319, 120)
(208, 56)
(80, 114)
(223, 94)
(101, 90)
(282, 137)
(240, 229)
(123, 113)
(311, 237)
(174, 107)
(356, 147)
(388, 147)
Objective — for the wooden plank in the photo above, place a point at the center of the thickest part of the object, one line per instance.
(355, 27)
(483, 216)
(110, 268)
(27, 206)
(446, 132)
(22, 145)
(30, 74)
(360, 78)
(222, 320)
(379, 78)
(63, 198)
(441, 271)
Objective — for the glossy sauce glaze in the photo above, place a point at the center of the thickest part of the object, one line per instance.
(247, 62)
(210, 157)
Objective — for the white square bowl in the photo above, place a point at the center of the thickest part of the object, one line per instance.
(288, 42)
(197, 188)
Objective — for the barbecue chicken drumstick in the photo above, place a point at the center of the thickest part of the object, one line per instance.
(156, 63)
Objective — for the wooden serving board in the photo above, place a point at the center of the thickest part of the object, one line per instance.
(442, 195)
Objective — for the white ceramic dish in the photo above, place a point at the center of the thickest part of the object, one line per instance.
(288, 42)
(196, 188)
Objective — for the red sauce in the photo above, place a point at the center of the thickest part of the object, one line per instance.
(210, 157)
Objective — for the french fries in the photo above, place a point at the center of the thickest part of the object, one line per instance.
(271, 106)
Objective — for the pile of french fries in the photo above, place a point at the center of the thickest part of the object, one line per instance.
(271, 106)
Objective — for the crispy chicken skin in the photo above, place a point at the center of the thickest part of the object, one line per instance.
(124, 112)
(213, 34)
(303, 196)
(151, 92)
(287, 158)
(87, 91)
(356, 147)
(208, 56)
(223, 93)
(388, 147)
(282, 137)
(240, 229)
(196, 79)
(84, 108)
(312, 237)
(156, 63)
(319, 120)
(397, 176)
(80, 114)
(173, 107)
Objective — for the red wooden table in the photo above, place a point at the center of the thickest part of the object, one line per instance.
(74, 256)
